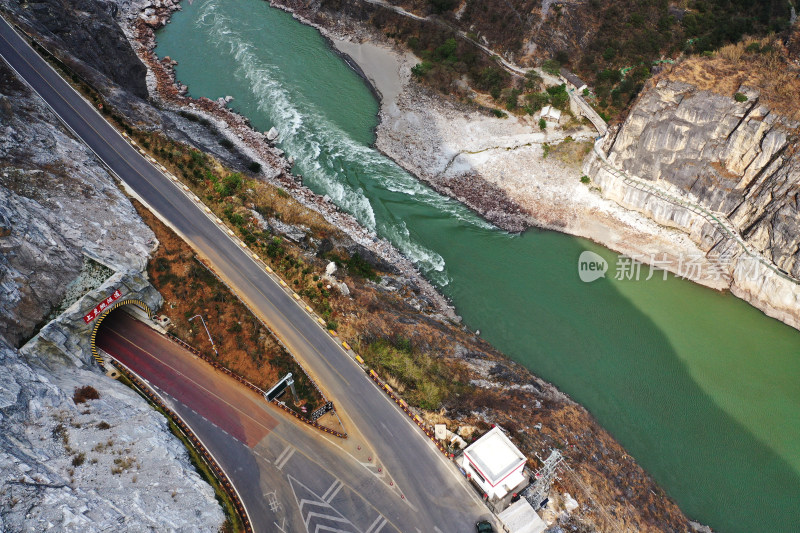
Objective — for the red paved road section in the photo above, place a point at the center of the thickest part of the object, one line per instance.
(213, 395)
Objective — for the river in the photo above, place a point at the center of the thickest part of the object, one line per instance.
(701, 388)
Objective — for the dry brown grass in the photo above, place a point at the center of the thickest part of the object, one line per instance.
(769, 71)
(85, 393)
(244, 345)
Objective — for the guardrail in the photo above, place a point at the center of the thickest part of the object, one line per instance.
(406, 409)
(212, 463)
(718, 220)
(252, 386)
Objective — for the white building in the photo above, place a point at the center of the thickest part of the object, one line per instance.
(495, 465)
(520, 517)
(550, 114)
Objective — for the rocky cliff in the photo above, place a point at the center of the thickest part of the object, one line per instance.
(86, 29)
(110, 462)
(48, 184)
(735, 157)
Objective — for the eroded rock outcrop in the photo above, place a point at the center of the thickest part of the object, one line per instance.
(59, 200)
(109, 463)
(736, 158)
(87, 29)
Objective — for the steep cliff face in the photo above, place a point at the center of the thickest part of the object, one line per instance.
(87, 29)
(108, 463)
(57, 200)
(739, 160)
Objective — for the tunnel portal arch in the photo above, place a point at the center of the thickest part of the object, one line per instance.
(131, 301)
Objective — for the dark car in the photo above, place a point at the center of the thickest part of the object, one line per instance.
(484, 526)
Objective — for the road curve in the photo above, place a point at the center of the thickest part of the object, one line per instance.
(428, 480)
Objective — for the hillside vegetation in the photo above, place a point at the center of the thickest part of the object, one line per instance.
(614, 45)
(760, 64)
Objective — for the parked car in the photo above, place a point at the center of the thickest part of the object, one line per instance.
(484, 526)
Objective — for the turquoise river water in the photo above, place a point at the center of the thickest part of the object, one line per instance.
(702, 389)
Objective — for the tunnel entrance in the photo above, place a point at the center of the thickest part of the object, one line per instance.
(136, 308)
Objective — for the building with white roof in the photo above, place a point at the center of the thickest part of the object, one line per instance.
(494, 465)
(550, 114)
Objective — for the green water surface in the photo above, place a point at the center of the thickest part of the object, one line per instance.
(700, 388)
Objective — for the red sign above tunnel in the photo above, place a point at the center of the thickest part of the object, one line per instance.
(102, 306)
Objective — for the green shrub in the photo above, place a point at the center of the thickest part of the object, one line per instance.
(533, 81)
(585, 179)
(230, 184)
(440, 6)
(559, 97)
(753, 48)
(225, 143)
(536, 101)
(542, 124)
(357, 266)
(551, 66)
(447, 51)
(274, 248)
(254, 167)
(498, 113)
(739, 97)
(489, 78)
(420, 69)
(511, 99)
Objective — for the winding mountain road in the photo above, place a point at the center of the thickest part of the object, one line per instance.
(433, 491)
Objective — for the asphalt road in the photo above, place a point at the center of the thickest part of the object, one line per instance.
(438, 496)
(276, 463)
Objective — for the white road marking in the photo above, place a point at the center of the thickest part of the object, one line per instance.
(333, 518)
(284, 457)
(332, 491)
(272, 500)
(377, 525)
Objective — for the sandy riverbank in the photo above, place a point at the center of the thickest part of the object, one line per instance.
(498, 167)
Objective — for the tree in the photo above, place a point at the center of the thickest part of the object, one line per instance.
(551, 66)
(447, 51)
(558, 96)
(420, 69)
(231, 183)
(536, 101)
(533, 81)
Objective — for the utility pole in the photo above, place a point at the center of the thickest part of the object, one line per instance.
(536, 493)
(207, 332)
